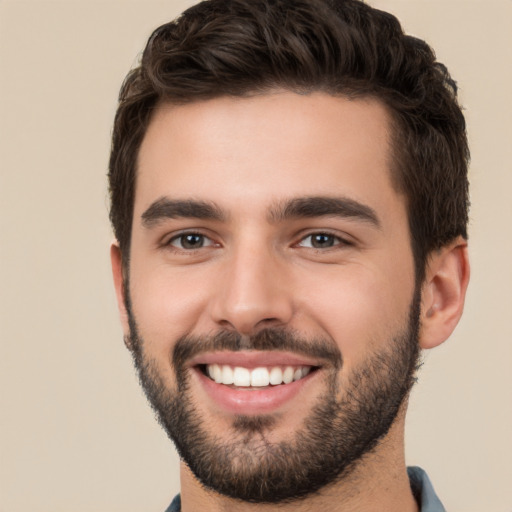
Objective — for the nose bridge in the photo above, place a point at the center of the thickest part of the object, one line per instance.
(253, 293)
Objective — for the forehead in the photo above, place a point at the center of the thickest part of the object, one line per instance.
(242, 152)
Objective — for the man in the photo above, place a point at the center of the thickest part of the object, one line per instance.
(289, 197)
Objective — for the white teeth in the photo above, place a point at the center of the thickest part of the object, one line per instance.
(217, 373)
(227, 375)
(288, 375)
(260, 377)
(276, 376)
(241, 377)
(257, 377)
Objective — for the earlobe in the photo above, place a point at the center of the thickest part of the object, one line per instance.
(117, 274)
(443, 293)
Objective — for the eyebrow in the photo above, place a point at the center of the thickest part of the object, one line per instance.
(300, 207)
(165, 208)
(320, 206)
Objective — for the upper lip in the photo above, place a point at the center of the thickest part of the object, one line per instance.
(253, 359)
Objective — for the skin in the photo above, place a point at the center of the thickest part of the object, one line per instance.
(249, 156)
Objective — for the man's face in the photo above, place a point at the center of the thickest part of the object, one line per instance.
(269, 243)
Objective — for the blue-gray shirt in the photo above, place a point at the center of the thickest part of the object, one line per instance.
(420, 485)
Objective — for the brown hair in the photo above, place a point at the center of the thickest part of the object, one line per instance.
(341, 47)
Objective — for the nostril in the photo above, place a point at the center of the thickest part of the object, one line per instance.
(248, 311)
(268, 321)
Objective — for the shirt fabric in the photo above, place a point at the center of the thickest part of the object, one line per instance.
(420, 485)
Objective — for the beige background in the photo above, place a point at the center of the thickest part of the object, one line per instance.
(76, 433)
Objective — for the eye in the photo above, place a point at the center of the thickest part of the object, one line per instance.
(190, 241)
(321, 241)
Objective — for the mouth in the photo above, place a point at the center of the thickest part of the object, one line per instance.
(259, 377)
(253, 382)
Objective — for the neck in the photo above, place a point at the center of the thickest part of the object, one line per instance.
(378, 483)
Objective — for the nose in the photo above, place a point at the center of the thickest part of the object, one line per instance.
(253, 293)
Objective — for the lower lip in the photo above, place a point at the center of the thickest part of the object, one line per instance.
(251, 401)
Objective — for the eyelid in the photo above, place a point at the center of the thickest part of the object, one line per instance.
(167, 241)
(339, 239)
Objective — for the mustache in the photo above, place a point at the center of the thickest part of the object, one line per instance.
(268, 339)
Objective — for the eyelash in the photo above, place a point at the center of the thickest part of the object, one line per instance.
(182, 236)
(335, 239)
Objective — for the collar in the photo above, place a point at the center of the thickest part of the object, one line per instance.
(420, 484)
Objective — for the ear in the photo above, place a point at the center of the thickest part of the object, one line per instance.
(117, 273)
(443, 293)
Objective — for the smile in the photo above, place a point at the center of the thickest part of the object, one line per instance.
(254, 382)
(259, 377)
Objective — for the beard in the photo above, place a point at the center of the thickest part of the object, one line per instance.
(347, 422)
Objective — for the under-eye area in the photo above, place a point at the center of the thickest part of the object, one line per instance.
(263, 376)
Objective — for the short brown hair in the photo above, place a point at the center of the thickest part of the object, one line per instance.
(342, 47)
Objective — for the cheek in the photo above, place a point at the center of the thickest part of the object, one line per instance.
(166, 304)
(359, 306)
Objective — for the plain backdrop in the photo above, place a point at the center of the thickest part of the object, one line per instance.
(76, 433)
